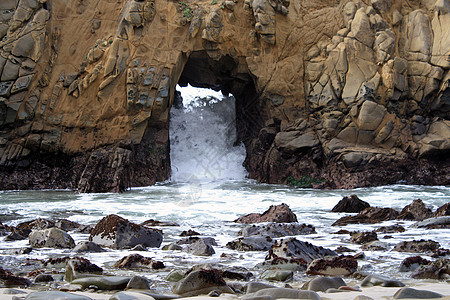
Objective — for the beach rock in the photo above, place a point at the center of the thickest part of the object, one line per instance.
(201, 282)
(363, 237)
(350, 204)
(43, 278)
(251, 243)
(409, 293)
(417, 246)
(66, 225)
(136, 261)
(342, 249)
(172, 247)
(7, 279)
(189, 232)
(55, 295)
(139, 283)
(106, 283)
(433, 223)
(86, 246)
(391, 229)
(51, 238)
(416, 211)
(237, 273)
(370, 215)
(193, 239)
(286, 293)
(439, 269)
(363, 297)
(13, 292)
(128, 295)
(444, 210)
(293, 248)
(201, 247)
(152, 223)
(376, 246)
(81, 267)
(275, 230)
(276, 213)
(321, 284)
(375, 280)
(410, 264)
(292, 264)
(175, 275)
(254, 286)
(118, 233)
(277, 275)
(38, 224)
(333, 266)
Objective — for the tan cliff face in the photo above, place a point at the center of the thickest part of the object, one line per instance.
(324, 89)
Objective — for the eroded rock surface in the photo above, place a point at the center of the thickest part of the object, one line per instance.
(334, 94)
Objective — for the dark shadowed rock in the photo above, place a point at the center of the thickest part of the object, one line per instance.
(106, 283)
(151, 222)
(376, 246)
(43, 278)
(251, 243)
(410, 264)
(276, 213)
(333, 266)
(52, 238)
(444, 210)
(439, 269)
(363, 237)
(417, 246)
(238, 273)
(321, 284)
(416, 211)
(189, 232)
(201, 282)
(293, 248)
(86, 246)
(38, 224)
(81, 267)
(200, 247)
(370, 215)
(350, 204)
(410, 293)
(7, 279)
(118, 233)
(391, 229)
(275, 230)
(67, 225)
(134, 261)
(375, 280)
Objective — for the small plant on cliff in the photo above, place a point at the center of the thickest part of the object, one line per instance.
(214, 2)
(303, 182)
(187, 11)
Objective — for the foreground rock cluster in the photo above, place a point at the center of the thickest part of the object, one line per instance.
(334, 94)
(278, 234)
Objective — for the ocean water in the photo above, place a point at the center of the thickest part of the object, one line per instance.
(207, 192)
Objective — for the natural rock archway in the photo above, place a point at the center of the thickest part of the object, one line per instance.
(329, 93)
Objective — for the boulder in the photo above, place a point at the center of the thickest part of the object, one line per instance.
(275, 230)
(7, 279)
(128, 295)
(277, 275)
(52, 238)
(439, 269)
(370, 215)
(376, 246)
(86, 246)
(106, 283)
(414, 246)
(55, 295)
(375, 280)
(321, 284)
(438, 222)
(201, 247)
(37, 224)
(139, 283)
(137, 261)
(237, 273)
(295, 141)
(43, 278)
(350, 204)
(251, 243)
(201, 282)
(410, 264)
(416, 211)
(276, 213)
(410, 293)
(254, 286)
(286, 293)
(293, 248)
(363, 237)
(444, 210)
(333, 266)
(81, 267)
(370, 115)
(391, 229)
(118, 233)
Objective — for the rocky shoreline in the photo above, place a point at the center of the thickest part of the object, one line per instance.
(323, 272)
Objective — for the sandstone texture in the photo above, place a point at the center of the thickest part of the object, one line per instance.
(338, 94)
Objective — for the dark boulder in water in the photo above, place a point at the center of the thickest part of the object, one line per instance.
(439, 269)
(363, 237)
(79, 267)
(421, 246)
(275, 230)
(416, 211)
(251, 243)
(201, 282)
(410, 264)
(444, 210)
(118, 233)
(370, 215)
(276, 213)
(333, 266)
(350, 204)
(293, 248)
(7, 279)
